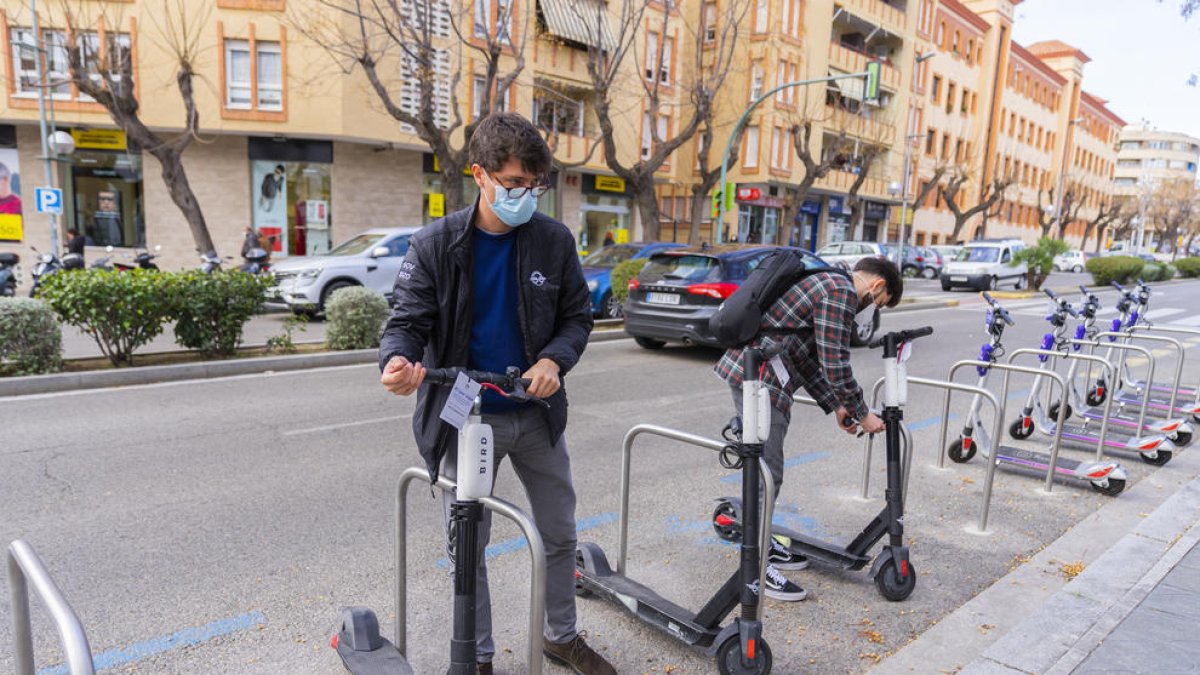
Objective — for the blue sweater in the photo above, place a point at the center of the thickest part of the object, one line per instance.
(496, 340)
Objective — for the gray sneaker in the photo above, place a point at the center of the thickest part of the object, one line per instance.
(780, 588)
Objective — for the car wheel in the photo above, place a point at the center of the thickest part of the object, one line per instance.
(910, 271)
(860, 335)
(649, 343)
(328, 292)
(991, 283)
(929, 273)
(610, 308)
(1020, 283)
(945, 285)
(1078, 269)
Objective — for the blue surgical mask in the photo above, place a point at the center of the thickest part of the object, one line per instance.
(514, 212)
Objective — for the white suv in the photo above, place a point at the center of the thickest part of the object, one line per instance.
(985, 265)
(371, 258)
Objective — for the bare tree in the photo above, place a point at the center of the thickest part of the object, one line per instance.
(608, 68)
(100, 65)
(709, 176)
(815, 167)
(425, 44)
(1174, 207)
(1071, 204)
(989, 195)
(1108, 211)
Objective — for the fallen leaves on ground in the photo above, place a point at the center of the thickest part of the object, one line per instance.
(1072, 570)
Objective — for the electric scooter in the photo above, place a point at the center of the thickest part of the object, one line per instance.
(895, 577)
(738, 646)
(1104, 477)
(362, 649)
(1159, 406)
(1177, 430)
(1153, 449)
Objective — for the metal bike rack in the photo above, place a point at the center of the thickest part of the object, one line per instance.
(1152, 338)
(1062, 409)
(990, 478)
(702, 442)
(1195, 332)
(1122, 348)
(25, 568)
(537, 555)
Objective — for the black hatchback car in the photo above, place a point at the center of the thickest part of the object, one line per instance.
(677, 291)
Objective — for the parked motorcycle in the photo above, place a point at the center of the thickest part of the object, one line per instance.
(104, 263)
(211, 262)
(142, 259)
(8, 274)
(256, 261)
(48, 264)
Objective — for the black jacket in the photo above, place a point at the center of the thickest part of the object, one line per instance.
(431, 313)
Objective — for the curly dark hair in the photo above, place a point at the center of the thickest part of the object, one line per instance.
(501, 136)
(886, 270)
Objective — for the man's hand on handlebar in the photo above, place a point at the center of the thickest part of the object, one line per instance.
(543, 379)
(871, 424)
(401, 377)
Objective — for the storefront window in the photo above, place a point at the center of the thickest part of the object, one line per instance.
(292, 205)
(757, 224)
(602, 215)
(105, 197)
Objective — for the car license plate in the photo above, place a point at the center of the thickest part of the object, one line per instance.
(958, 278)
(662, 298)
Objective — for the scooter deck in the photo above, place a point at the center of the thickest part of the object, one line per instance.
(1184, 392)
(651, 607)
(1160, 407)
(1084, 438)
(1036, 461)
(826, 552)
(1126, 423)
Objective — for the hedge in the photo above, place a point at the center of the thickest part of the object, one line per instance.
(622, 274)
(1119, 268)
(30, 338)
(354, 318)
(1189, 268)
(212, 309)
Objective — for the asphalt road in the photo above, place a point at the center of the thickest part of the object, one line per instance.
(217, 526)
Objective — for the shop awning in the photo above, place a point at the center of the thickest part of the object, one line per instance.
(582, 21)
(850, 87)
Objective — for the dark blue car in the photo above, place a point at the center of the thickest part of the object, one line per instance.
(597, 270)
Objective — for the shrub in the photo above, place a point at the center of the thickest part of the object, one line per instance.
(212, 309)
(120, 310)
(1188, 267)
(621, 276)
(1156, 271)
(1040, 259)
(30, 338)
(354, 318)
(1118, 268)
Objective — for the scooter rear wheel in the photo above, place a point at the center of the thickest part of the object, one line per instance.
(727, 522)
(729, 658)
(1182, 438)
(891, 585)
(580, 568)
(958, 455)
(1160, 457)
(1115, 487)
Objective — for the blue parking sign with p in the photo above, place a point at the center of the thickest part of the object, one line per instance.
(49, 200)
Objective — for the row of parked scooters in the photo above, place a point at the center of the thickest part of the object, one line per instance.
(256, 261)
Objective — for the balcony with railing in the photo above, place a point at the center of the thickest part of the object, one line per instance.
(840, 181)
(890, 15)
(852, 60)
(878, 131)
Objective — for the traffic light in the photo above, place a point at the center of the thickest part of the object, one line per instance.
(871, 89)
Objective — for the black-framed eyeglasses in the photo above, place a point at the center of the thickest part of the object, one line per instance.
(519, 191)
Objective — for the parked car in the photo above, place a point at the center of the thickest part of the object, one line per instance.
(1071, 261)
(932, 267)
(371, 258)
(597, 270)
(984, 265)
(678, 290)
(846, 254)
(947, 251)
(914, 259)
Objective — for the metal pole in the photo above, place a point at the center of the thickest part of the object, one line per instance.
(25, 568)
(42, 84)
(742, 121)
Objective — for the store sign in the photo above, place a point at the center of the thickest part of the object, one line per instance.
(437, 205)
(748, 194)
(837, 205)
(610, 184)
(811, 208)
(876, 211)
(98, 139)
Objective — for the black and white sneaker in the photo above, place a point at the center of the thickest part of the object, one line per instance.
(780, 588)
(783, 558)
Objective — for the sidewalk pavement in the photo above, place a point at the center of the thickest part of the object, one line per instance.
(1128, 611)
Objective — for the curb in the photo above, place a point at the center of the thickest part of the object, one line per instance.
(921, 304)
(125, 377)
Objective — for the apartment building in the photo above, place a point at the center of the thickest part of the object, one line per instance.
(1032, 124)
(1147, 156)
(288, 142)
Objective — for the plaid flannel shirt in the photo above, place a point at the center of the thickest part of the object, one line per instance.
(817, 314)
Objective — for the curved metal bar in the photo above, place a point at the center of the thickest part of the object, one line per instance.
(1062, 409)
(870, 442)
(1160, 339)
(1123, 348)
(701, 441)
(25, 568)
(537, 556)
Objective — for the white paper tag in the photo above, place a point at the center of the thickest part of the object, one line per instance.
(781, 372)
(905, 352)
(462, 398)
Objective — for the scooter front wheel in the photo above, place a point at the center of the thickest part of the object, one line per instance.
(727, 522)
(1054, 410)
(892, 585)
(958, 455)
(729, 658)
(1020, 429)
(1096, 397)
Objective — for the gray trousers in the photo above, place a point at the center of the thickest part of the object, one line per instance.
(773, 448)
(544, 469)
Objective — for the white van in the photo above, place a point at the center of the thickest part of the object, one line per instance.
(984, 265)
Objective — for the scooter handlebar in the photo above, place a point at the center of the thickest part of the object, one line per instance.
(445, 377)
(901, 336)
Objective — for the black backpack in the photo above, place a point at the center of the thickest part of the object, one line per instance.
(737, 319)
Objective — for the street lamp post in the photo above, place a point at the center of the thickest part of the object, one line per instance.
(1062, 175)
(864, 75)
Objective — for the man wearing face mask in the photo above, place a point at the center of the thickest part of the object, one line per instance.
(494, 285)
(814, 320)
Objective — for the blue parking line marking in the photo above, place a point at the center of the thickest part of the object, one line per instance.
(515, 544)
(184, 638)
